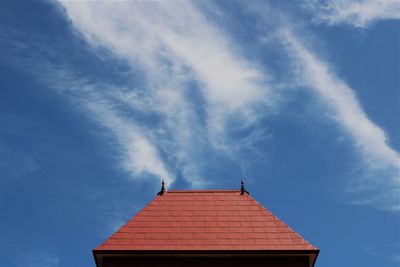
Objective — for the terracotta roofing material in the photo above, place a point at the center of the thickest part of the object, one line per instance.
(206, 220)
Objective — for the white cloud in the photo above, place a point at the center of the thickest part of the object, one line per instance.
(37, 259)
(378, 157)
(360, 13)
(175, 45)
(139, 154)
(317, 74)
(132, 147)
(15, 164)
(180, 53)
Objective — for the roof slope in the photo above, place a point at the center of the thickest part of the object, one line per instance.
(205, 220)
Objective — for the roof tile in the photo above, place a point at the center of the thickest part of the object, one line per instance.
(205, 220)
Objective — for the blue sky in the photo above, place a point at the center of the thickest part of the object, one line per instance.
(101, 100)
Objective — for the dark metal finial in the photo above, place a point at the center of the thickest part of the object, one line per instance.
(242, 189)
(162, 191)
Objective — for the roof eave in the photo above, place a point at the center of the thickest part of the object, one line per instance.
(99, 254)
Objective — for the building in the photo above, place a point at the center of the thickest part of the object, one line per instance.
(205, 228)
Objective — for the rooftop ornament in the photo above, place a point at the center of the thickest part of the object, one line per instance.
(242, 189)
(162, 191)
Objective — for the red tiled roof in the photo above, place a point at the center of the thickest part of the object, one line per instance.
(205, 220)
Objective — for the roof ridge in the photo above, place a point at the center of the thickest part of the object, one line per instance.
(203, 191)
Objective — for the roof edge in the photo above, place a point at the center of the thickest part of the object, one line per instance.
(244, 252)
(202, 191)
(98, 254)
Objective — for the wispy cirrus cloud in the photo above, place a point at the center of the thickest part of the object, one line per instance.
(181, 54)
(379, 185)
(387, 252)
(37, 259)
(197, 88)
(131, 147)
(175, 46)
(360, 13)
(376, 171)
(341, 99)
(15, 164)
(134, 148)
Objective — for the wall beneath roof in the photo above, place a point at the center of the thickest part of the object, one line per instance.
(209, 262)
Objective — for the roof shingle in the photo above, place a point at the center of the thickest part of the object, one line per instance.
(205, 220)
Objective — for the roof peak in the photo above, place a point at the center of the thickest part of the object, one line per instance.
(203, 191)
(163, 190)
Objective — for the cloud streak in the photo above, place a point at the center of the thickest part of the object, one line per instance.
(360, 14)
(37, 259)
(135, 149)
(372, 143)
(15, 164)
(181, 54)
(95, 99)
(196, 89)
(175, 46)
(317, 74)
